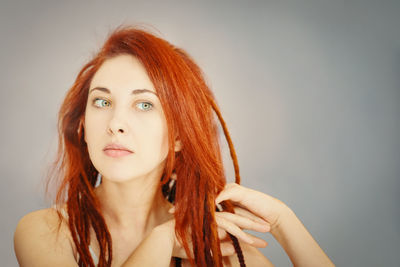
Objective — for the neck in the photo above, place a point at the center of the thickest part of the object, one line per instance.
(135, 205)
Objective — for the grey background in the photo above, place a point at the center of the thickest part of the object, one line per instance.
(309, 90)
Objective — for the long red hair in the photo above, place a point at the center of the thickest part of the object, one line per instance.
(188, 106)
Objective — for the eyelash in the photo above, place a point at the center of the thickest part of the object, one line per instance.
(109, 104)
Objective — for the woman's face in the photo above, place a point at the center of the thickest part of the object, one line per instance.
(123, 110)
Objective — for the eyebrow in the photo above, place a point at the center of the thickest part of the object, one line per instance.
(134, 92)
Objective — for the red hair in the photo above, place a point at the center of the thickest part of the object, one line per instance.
(188, 106)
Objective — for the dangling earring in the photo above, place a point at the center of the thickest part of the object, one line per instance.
(169, 188)
(98, 180)
(172, 182)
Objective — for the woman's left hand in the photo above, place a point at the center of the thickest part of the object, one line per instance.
(287, 229)
(235, 223)
(254, 210)
(260, 212)
(249, 208)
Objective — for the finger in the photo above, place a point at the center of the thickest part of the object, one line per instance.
(233, 229)
(254, 201)
(245, 213)
(258, 242)
(243, 222)
(222, 234)
(227, 248)
(230, 191)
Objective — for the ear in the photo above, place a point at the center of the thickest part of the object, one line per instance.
(178, 145)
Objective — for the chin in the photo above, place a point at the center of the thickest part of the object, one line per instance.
(119, 176)
(125, 171)
(123, 175)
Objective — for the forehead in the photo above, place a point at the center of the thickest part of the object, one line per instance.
(122, 72)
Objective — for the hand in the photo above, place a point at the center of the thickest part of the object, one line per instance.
(168, 228)
(253, 202)
(232, 223)
(287, 229)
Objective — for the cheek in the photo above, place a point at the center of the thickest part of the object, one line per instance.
(164, 135)
(155, 138)
(93, 128)
(164, 142)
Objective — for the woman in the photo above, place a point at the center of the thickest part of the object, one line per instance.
(140, 118)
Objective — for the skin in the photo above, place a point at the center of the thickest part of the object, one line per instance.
(286, 228)
(140, 220)
(127, 115)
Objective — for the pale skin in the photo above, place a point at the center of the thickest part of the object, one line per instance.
(123, 108)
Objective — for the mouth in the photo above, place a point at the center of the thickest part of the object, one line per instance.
(116, 151)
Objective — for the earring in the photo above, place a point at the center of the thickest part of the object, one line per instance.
(172, 182)
(169, 188)
(98, 180)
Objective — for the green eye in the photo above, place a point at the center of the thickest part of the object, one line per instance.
(144, 106)
(101, 102)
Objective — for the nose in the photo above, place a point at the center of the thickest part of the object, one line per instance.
(117, 125)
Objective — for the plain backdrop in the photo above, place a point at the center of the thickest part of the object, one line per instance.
(309, 90)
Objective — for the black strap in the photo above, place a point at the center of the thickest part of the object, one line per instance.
(178, 262)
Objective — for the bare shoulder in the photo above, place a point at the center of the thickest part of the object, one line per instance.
(252, 257)
(38, 240)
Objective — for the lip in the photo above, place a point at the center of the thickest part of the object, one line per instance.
(116, 150)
